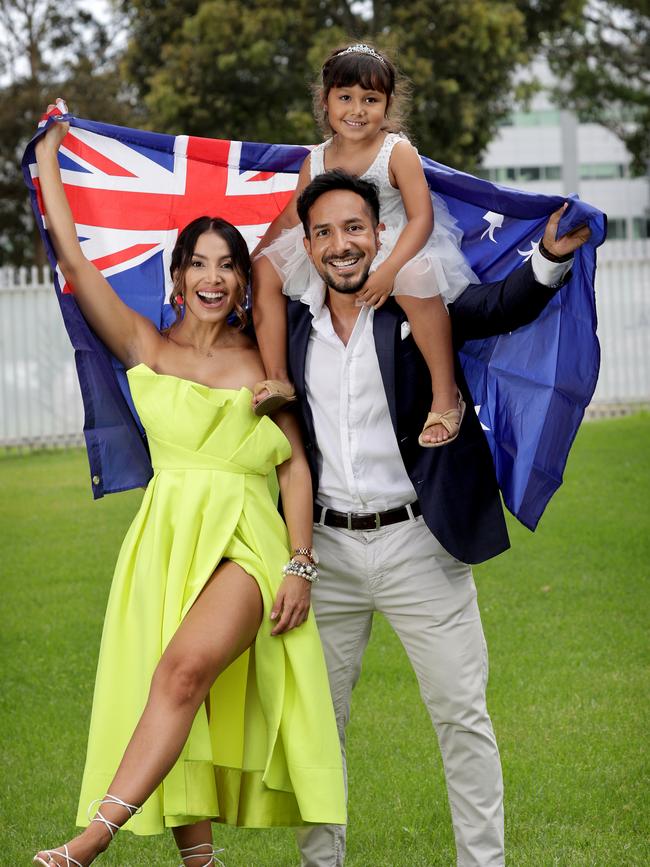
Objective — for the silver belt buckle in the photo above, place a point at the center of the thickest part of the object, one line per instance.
(377, 521)
(349, 520)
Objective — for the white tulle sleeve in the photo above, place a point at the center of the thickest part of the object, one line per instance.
(288, 257)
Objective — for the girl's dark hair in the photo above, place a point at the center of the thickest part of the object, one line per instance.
(184, 250)
(371, 73)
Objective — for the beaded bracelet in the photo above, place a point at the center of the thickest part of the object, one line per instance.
(304, 570)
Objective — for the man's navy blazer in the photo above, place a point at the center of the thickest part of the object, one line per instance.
(455, 484)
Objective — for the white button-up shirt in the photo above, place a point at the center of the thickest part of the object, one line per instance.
(359, 462)
(360, 467)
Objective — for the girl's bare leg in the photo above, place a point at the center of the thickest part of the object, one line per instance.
(270, 319)
(221, 624)
(431, 330)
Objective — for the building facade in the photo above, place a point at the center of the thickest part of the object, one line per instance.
(547, 150)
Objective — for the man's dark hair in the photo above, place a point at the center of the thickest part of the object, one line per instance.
(336, 179)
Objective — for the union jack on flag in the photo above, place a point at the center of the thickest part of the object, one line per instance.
(132, 191)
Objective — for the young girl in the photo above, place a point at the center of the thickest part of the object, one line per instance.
(422, 266)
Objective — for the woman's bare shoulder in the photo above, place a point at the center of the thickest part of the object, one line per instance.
(248, 361)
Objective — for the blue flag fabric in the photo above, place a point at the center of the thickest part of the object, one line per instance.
(131, 192)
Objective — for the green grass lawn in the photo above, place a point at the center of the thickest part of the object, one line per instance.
(566, 617)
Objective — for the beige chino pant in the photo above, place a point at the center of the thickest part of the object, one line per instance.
(429, 598)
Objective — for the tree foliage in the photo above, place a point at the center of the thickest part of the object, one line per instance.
(237, 70)
(48, 48)
(244, 69)
(151, 25)
(604, 70)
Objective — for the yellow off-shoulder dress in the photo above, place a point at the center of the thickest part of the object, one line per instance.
(268, 752)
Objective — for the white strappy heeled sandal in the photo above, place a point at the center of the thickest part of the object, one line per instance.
(69, 860)
(190, 852)
(55, 859)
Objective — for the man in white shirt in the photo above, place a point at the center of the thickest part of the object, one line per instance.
(396, 525)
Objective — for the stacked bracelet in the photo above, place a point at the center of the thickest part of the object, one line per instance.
(309, 553)
(304, 570)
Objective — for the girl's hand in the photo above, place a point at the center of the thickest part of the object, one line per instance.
(291, 604)
(377, 287)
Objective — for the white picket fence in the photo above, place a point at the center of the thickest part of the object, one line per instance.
(40, 402)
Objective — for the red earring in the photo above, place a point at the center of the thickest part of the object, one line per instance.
(179, 299)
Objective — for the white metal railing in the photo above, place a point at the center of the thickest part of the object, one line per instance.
(623, 307)
(40, 403)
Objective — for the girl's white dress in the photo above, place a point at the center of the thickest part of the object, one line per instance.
(439, 268)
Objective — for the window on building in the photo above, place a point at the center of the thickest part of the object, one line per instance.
(617, 229)
(529, 173)
(495, 174)
(521, 174)
(640, 227)
(602, 171)
(544, 117)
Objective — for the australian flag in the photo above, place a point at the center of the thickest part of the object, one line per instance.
(131, 192)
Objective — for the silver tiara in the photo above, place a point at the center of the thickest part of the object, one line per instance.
(361, 48)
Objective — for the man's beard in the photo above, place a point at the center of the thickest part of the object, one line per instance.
(343, 284)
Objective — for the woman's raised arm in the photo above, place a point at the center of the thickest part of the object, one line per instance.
(130, 337)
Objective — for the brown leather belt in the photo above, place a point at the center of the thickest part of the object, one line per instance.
(366, 520)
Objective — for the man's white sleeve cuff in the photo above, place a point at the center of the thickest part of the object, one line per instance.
(549, 273)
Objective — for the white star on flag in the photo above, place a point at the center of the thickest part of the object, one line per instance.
(495, 221)
(477, 409)
(526, 254)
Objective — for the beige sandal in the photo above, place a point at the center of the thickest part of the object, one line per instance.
(450, 420)
(279, 394)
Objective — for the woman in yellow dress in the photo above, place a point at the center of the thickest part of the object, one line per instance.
(211, 699)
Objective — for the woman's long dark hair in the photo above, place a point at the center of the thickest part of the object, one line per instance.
(184, 250)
